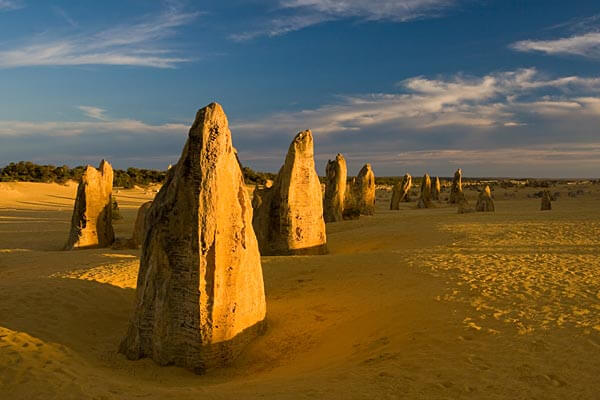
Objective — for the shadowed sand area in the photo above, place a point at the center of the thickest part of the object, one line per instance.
(407, 304)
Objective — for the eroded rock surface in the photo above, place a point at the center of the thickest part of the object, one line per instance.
(139, 228)
(364, 191)
(91, 223)
(546, 201)
(200, 294)
(401, 192)
(289, 217)
(351, 211)
(425, 193)
(436, 189)
(456, 191)
(335, 189)
(485, 203)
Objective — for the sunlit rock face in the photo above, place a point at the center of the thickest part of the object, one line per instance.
(485, 203)
(364, 190)
(436, 189)
(91, 223)
(401, 192)
(200, 294)
(289, 219)
(546, 201)
(335, 189)
(139, 228)
(456, 191)
(425, 194)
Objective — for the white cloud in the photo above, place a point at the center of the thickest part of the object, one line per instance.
(293, 15)
(539, 155)
(93, 112)
(585, 45)
(8, 5)
(10, 128)
(282, 25)
(395, 10)
(495, 100)
(64, 15)
(513, 123)
(558, 160)
(136, 44)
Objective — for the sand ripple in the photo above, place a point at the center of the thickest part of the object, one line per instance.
(533, 275)
(120, 274)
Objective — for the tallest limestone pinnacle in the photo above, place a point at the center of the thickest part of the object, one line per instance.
(200, 294)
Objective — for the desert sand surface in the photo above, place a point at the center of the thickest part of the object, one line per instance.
(415, 303)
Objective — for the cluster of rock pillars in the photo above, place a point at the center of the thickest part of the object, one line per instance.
(200, 295)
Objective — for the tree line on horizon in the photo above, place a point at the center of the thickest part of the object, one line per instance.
(27, 171)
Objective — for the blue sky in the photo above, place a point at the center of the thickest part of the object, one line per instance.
(497, 87)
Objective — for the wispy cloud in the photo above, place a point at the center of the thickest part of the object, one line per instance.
(492, 101)
(126, 141)
(578, 25)
(395, 10)
(69, 128)
(134, 44)
(281, 25)
(103, 124)
(64, 15)
(560, 159)
(8, 5)
(540, 155)
(585, 45)
(93, 112)
(293, 15)
(510, 123)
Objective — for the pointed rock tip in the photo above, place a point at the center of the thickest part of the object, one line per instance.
(210, 112)
(303, 135)
(303, 142)
(214, 106)
(212, 115)
(104, 165)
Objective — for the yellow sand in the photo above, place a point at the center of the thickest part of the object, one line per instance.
(409, 304)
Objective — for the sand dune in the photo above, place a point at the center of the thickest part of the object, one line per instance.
(408, 304)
